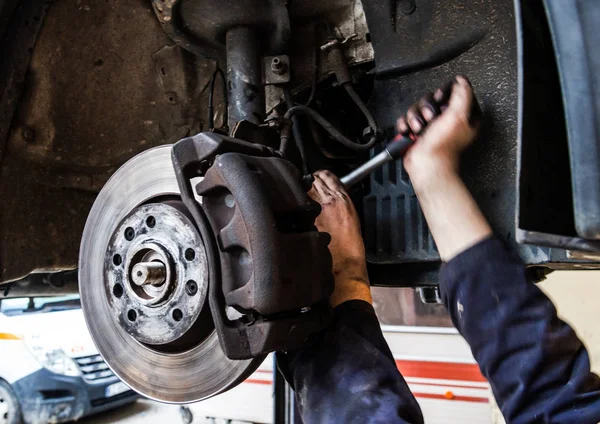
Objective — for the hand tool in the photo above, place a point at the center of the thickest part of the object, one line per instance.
(395, 149)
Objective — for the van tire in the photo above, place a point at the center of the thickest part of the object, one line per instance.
(9, 404)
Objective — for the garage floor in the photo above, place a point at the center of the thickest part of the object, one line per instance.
(150, 412)
(143, 411)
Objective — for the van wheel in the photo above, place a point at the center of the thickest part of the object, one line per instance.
(10, 412)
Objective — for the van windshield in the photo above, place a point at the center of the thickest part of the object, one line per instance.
(29, 305)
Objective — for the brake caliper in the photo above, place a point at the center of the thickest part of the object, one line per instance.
(270, 268)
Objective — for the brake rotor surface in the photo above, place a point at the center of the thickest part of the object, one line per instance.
(132, 259)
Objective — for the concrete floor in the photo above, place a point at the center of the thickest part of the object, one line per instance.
(150, 412)
(142, 411)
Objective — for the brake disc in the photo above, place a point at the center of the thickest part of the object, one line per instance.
(143, 281)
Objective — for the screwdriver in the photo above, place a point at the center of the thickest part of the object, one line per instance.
(395, 149)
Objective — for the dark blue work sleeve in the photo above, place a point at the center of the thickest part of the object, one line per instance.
(538, 368)
(347, 374)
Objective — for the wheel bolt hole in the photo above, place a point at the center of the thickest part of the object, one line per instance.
(131, 315)
(191, 288)
(118, 290)
(190, 254)
(177, 315)
(129, 233)
(139, 273)
(117, 260)
(150, 222)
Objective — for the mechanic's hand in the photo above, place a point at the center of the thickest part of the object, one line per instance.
(447, 134)
(339, 218)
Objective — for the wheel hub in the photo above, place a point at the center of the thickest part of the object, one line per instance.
(156, 270)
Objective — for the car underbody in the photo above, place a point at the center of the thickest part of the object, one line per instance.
(86, 86)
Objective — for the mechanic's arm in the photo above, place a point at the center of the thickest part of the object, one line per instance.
(346, 373)
(538, 368)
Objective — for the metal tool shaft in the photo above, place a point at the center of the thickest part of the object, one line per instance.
(393, 150)
(365, 169)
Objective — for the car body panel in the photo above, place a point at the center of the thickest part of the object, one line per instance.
(45, 396)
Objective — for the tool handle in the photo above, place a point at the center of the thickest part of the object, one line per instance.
(398, 146)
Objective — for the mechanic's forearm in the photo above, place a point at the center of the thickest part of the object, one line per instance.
(352, 283)
(455, 220)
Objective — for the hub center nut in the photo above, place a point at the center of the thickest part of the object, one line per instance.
(156, 272)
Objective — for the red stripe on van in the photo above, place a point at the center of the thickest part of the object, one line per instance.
(440, 370)
(253, 381)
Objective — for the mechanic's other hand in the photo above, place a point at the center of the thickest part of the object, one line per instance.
(339, 218)
(445, 123)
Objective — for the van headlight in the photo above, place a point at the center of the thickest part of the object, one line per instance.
(52, 358)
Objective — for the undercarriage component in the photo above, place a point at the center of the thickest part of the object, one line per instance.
(262, 224)
(158, 338)
(104, 84)
(245, 90)
(414, 53)
(201, 25)
(42, 284)
(116, 80)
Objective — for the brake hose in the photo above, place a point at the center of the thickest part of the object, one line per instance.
(327, 126)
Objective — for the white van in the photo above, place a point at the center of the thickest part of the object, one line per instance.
(50, 370)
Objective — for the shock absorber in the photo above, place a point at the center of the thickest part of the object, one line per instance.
(245, 89)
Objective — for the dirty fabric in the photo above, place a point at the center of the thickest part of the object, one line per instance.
(538, 369)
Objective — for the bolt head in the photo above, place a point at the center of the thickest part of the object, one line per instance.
(278, 66)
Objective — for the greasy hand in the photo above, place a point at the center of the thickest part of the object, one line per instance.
(339, 218)
(446, 135)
